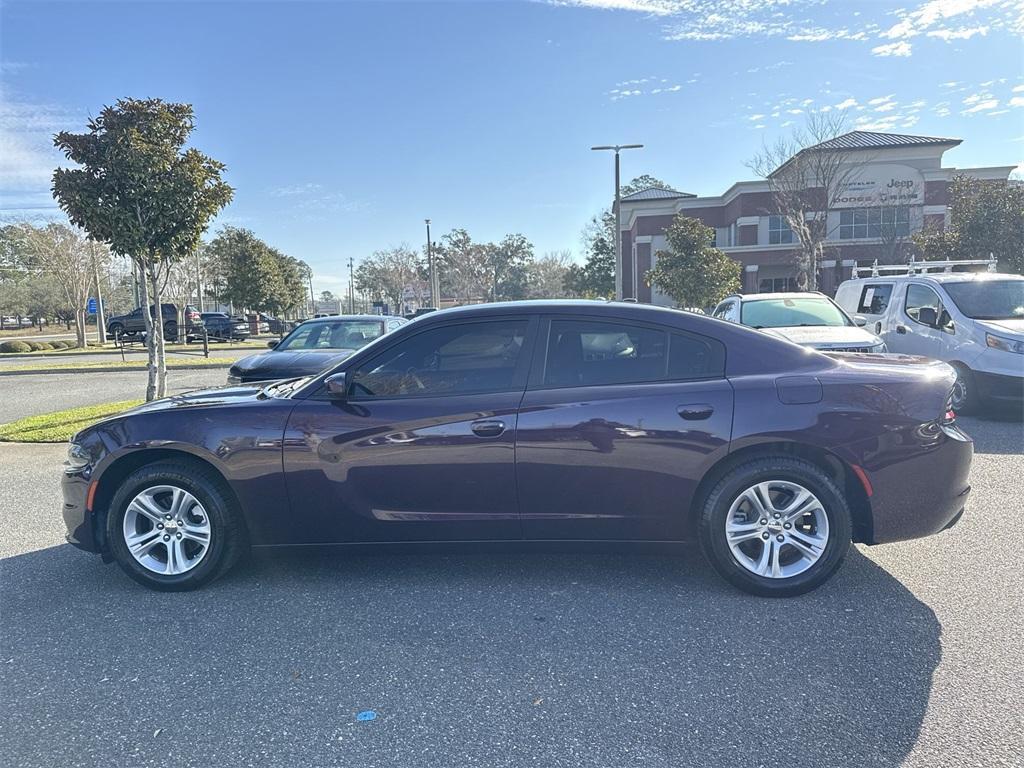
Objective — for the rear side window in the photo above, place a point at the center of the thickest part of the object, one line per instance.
(595, 353)
(874, 299)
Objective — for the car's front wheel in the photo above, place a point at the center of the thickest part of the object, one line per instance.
(174, 526)
(776, 526)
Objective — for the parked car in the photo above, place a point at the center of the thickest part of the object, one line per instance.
(222, 327)
(536, 421)
(271, 324)
(810, 318)
(973, 321)
(313, 346)
(134, 323)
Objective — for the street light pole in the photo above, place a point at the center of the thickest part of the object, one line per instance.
(435, 300)
(618, 218)
(351, 289)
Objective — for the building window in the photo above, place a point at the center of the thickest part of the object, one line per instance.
(779, 231)
(777, 285)
(861, 223)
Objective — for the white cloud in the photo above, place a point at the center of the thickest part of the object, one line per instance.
(902, 48)
(958, 34)
(1016, 101)
(1018, 89)
(982, 106)
(847, 103)
(931, 17)
(881, 99)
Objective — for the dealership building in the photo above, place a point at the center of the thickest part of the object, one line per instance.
(896, 186)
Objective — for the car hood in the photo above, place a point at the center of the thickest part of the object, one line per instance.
(287, 364)
(1014, 325)
(824, 336)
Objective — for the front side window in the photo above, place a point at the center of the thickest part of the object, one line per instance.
(451, 360)
(863, 223)
(874, 299)
(779, 231)
(922, 304)
(597, 353)
(344, 334)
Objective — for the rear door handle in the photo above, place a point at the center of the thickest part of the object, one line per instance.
(695, 412)
(489, 428)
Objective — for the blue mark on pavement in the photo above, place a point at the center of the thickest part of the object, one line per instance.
(366, 714)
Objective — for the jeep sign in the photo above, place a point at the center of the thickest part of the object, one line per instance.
(881, 185)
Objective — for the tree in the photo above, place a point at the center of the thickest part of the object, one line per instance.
(508, 265)
(385, 275)
(291, 283)
(548, 273)
(805, 175)
(692, 272)
(462, 266)
(642, 182)
(249, 268)
(64, 256)
(985, 218)
(327, 296)
(595, 278)
(141, 192)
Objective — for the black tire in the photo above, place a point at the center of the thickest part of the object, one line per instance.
(228, 539)
(964, 398)
(781, 468)
(115, 329)
(171, 331)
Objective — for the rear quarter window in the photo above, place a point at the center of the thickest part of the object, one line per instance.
(874, 299)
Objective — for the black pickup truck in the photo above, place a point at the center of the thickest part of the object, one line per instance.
(134, 323)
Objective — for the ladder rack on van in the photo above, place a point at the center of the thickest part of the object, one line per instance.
(921, 267)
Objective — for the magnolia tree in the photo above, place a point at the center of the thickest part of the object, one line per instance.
(692, 271)
(141, 192)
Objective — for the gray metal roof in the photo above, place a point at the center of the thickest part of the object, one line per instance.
(875, 140)
(655, 193)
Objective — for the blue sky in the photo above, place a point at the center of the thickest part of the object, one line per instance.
(343, 125)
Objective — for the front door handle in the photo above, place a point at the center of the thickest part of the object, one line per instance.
(488, 428)
(901, 329)
(695, 412)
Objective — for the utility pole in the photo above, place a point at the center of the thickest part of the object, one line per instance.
(435, 300)
(199, 283)
(351, 289)
(618, 220)
(101, 326)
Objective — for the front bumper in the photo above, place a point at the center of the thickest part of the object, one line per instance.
(78, 519)
(920, 482)
(999, 388)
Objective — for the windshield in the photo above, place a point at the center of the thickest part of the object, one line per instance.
(341, 334)
(786, 313)
(988, 299)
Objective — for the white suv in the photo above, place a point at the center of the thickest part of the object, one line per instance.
(972, 320)
(811, 319)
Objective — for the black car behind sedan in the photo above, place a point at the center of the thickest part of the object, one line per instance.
(313, 346)
(222, 327)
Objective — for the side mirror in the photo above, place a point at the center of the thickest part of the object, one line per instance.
(927, 316)
(272, 344)
(337, 387)
(860, 321)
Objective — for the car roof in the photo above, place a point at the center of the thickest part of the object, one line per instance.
(780, 295)
(363, 318)
(942, 277)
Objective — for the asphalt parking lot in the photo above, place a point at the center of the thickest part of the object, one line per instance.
(911, 656)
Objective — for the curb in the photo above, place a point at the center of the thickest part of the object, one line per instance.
(111, 369)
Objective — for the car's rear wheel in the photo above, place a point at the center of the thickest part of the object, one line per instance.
(776, 526)
(174, 526)
(115, 330)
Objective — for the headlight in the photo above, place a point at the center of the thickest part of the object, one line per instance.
(78, 458)
(880, 347)
(1006, 345)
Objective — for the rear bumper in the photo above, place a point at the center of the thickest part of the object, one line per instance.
(920, 483)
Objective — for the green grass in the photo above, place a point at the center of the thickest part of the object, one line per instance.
(59, 426)
(172, 362)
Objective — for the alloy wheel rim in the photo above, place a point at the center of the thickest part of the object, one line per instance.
(166, 530)
(959, 393)
(777, 529)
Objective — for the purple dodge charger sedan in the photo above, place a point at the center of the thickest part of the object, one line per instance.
(555, 421)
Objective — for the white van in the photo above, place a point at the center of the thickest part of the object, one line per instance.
(972, 320)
